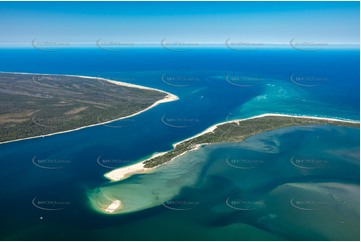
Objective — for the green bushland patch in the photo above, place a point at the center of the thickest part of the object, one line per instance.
(36, 105)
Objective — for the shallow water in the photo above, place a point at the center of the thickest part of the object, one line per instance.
(266, 181)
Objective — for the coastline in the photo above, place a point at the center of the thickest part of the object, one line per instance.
(169, 98)
(138, 168)
(213, 127)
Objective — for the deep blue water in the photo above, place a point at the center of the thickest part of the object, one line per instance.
(213, 86)
(333, 73)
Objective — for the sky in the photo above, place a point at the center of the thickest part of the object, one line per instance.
(77, 23)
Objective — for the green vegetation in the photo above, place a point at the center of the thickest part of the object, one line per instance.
(35, 105)
(240, 130)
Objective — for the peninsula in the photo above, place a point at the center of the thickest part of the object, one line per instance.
(230, 131)
(37, 105)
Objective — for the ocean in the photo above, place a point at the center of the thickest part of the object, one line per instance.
(252, 190)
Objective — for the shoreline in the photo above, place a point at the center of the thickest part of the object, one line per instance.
(169, 98)
(138, 168)
(213, 127)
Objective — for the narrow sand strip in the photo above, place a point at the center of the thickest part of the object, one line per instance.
(138, 168)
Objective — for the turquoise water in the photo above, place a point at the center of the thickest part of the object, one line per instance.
(213, 86)
(264, 182)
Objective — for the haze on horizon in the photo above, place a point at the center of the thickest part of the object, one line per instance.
(204, 23)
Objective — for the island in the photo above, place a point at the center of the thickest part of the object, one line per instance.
(38, 105)
(230, 131)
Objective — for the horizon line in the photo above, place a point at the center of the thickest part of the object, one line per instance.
(175, 45)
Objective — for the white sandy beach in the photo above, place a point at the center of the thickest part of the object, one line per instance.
(169, 98)
(138, 168)
(125, 172)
